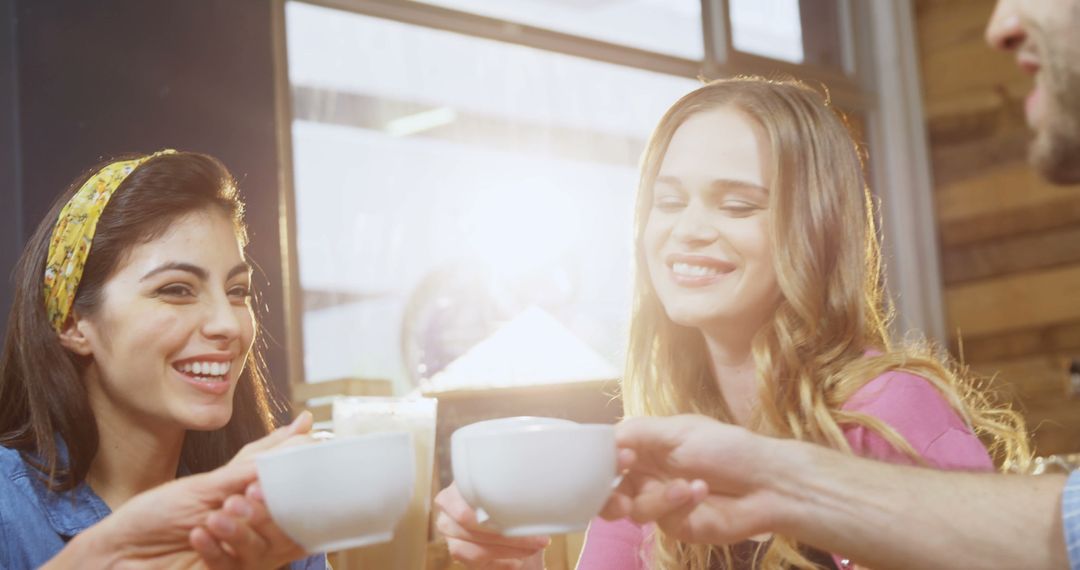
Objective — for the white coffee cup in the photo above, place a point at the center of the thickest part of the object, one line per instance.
(528, 476)
(342, 493)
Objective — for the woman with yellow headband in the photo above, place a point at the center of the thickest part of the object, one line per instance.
(129, 361)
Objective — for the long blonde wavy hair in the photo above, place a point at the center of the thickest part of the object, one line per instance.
(829, 334)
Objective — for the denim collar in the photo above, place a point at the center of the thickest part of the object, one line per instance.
(72, 511)
(68, 512)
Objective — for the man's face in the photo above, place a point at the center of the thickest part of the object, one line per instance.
(1045, 35)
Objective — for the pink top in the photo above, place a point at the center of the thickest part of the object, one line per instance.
(908, 403)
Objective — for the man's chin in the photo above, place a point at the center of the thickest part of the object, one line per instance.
(1056, 155)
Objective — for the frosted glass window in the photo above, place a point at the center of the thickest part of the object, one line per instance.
(796, 31)
(449, 187)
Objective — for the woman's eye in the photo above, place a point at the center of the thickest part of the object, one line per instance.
(668, 204)
(739, 207)
(240, 292)
(176, 291)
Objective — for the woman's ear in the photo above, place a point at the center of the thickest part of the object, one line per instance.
(73, 337)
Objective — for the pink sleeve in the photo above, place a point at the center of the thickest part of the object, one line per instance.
(613, 545)
(918, 412)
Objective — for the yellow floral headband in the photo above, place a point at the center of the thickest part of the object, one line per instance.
(74, 234)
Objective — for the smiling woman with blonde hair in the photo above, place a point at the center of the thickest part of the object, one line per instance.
(759, 301)
(824, 366)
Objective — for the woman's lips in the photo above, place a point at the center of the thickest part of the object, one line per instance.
(214, 385)
(697, 271)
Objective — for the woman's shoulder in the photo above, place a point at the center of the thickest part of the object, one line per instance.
(11, 465)
(20, 485)
(911, 405)
(897, 392)
(9, 455)
(27, 539)
(18, 472)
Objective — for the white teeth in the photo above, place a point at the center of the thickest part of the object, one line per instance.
(206, 371)
(689, 270)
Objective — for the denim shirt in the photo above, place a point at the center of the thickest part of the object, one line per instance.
(36, 523)
(1070, 519)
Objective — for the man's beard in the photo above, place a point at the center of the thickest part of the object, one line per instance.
(1056, 149)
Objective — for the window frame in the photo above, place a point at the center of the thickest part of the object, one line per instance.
(878, 57)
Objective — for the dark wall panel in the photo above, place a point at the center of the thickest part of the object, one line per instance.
(10, 187)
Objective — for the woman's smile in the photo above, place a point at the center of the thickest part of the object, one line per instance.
(689, 270)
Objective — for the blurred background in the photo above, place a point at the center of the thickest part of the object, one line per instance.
(440, 192)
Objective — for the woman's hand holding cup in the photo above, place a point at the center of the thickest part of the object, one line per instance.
(296, 433)
(241, 534)
(478, 547)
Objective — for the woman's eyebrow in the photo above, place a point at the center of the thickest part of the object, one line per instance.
(198, 272)
(239, 268)
(195, 270)
(736, 184)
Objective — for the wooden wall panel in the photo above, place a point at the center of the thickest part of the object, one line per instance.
(1054, 427)
(955, 160)
(955, 60)
(1027, 252)
(1041, 217)
(1022, 301)
(995, 191)
(1010, 242)
(1037, 388)
(1058, 339)
(1032, 379)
